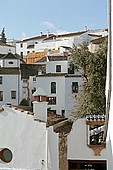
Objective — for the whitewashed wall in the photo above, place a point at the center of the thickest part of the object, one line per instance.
(77, 143)
(53, 149)
(45, 84)
(10, 83)
(6, 49)
(51, 66)
(26, 139)
(71, 98)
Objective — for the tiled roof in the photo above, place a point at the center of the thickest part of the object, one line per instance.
(4, 44)
(30, 70)
(10, 71)
(10, 56)
(59, 36)
(39, 92)
(59, 75)
(44, 59)
(99, 40)
(57, 58)
(1, 55)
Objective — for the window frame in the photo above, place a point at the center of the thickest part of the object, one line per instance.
(58, 68)
(53, 87)
(1, 95)
(13, 94)
(1, 80)
(51, 100)
(75, 87)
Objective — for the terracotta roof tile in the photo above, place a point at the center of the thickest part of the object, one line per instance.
(12, 70)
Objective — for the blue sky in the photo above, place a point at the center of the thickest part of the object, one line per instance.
(27, 18)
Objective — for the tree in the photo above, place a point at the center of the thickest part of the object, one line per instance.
(3, 38)
(93, 69)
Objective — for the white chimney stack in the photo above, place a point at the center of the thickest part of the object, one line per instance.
(40, 105)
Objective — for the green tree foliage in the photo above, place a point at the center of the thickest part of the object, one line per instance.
(3, 38)
(93, 68)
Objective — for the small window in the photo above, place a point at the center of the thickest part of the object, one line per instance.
(63, 112)
(74, 87)
(24, 81)
(34, 78)
(0, 79)
(58, 68)
(53, 87)
(21, 45)
(51, 100)
(10, 62)
(21, 54)
(13, 94)
(1, 95)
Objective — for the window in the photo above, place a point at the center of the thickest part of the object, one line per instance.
(58, 68)
(74, 87)
(21, 45)
(1, 95)
(63, 112)
(24, 80)
(53, 87)
(0, 79)
(34, 78)
(13, 94)
(21, 54)
(96, 134)
(10, 62)
(51, 100)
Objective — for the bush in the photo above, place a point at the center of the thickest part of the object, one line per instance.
(24, 102)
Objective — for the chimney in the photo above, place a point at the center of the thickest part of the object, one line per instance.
(40, 105)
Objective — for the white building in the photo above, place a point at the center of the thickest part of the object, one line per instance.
(51, 42)
(10, 79)
(61, 88)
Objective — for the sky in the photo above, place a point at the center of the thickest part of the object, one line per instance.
(27, 18)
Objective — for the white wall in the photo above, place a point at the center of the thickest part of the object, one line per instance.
(77, 143)
(70, 99)
(6, 49)
(51, 66)
(45, 84)
(53, 149)
(10, 83)
(15, 63)
(26, 139)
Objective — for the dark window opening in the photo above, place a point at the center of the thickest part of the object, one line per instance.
(58, 68)
(0, 79)
(13, 94)
(74, 87)
(53, 87)
(51, 100)
(1, 95)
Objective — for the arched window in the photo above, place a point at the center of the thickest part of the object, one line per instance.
(53, 87)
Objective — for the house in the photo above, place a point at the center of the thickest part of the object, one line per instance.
(60, 86)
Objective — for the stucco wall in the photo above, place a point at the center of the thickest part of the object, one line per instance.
(25, 137)
(77, 143)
